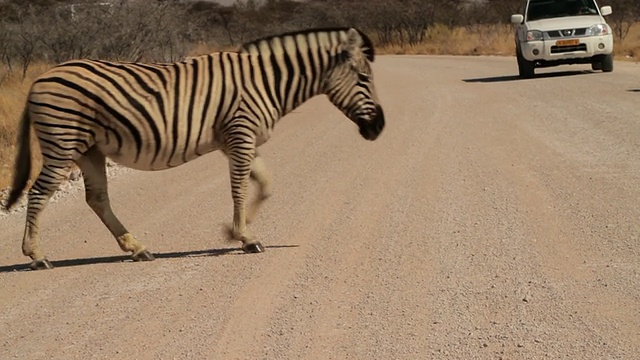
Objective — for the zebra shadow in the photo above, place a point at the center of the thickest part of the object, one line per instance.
(124, 258)
(547, 75)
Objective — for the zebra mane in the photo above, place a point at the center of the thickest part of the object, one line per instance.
(367, 44)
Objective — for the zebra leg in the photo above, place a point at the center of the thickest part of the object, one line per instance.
(48, 181)
(240, 164)
(260, 175)
(93, 166)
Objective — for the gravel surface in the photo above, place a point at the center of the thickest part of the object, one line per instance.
(72, 185)
(495, 218)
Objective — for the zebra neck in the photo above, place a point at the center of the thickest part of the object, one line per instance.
(302, 82)
(298, 97)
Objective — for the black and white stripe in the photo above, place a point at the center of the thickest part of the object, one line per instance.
(151, 116)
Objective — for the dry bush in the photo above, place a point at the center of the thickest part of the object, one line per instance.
(131, 31)
(444, 40)
(629, 47)
(13, 93)
(625, 14)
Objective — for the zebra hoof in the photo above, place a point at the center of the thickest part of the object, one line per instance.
(253, 248)
(144, 255)
(43, 264)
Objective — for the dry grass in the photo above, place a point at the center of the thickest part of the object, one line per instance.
(629, 49)
(204, 48)
(479, 40)
(492, 40)
(13, 93)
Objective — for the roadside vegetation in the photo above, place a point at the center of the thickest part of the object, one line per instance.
(37, 34)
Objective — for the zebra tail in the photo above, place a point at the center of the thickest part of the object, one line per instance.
(22, 168)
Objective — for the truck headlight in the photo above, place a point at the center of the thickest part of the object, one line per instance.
(534, 35)
(599, 29)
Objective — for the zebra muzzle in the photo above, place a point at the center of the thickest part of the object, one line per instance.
(371, 129)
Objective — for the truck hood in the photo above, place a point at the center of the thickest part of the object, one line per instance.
(569, 22)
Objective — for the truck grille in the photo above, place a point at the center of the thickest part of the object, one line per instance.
(555, 34)
(571, 48)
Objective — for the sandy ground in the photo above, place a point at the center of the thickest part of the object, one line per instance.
(494, 218)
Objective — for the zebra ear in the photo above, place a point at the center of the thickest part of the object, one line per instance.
(358, 43)
(354, 43)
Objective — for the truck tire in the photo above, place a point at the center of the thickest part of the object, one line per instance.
(607, 63)
(526, 68)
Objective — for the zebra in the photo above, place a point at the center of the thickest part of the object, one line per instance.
(155, 116)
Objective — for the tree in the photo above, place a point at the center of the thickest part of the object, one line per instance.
(625, 14)
(6, 53)
(25, 38)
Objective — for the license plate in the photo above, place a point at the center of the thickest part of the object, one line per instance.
(567, 42)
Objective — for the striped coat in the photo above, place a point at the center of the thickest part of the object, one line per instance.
(156, 116)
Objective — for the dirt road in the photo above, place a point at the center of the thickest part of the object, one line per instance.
(494, 218)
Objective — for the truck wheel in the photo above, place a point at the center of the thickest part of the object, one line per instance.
(607, 63)
(525, 68)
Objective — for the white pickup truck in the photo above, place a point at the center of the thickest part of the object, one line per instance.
(557, 32)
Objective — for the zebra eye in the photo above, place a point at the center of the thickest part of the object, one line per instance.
(363, 77)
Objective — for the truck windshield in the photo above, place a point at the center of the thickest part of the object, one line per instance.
(545, 9)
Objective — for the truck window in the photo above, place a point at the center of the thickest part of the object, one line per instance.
(545, 9)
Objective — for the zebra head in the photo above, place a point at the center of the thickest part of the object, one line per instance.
(349, 85)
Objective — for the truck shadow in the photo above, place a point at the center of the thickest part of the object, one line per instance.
(548, 75)
(124, 258)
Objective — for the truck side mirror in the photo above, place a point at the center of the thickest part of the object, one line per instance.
(517, 18)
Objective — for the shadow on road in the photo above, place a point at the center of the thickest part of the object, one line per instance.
(634, 90)
(124, 258)
(516, 77)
